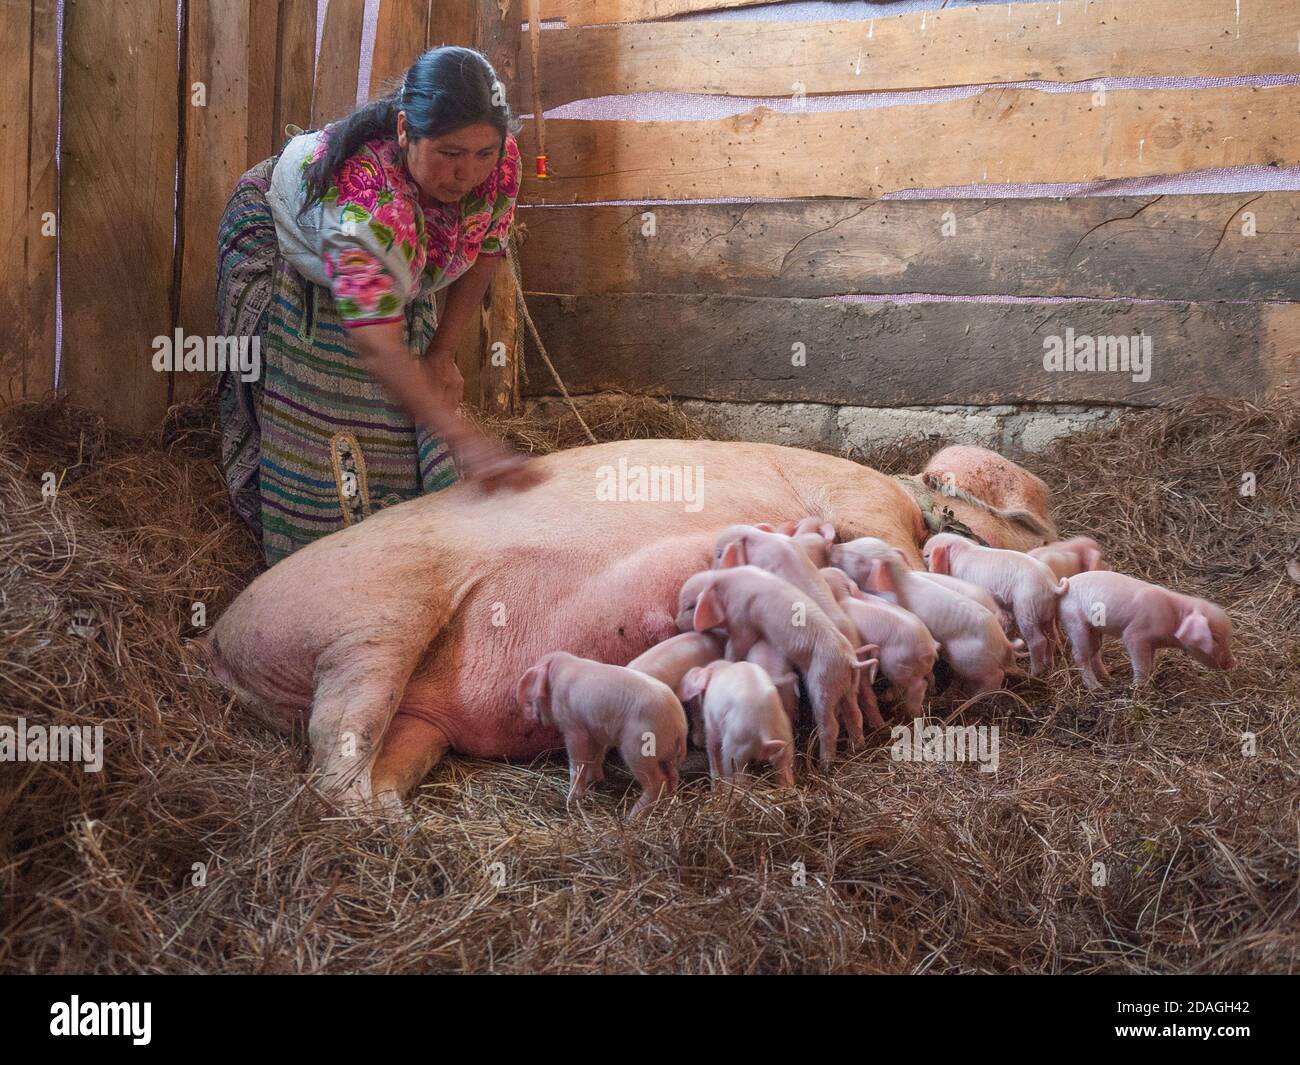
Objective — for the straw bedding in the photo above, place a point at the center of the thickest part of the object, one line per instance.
(200, 847)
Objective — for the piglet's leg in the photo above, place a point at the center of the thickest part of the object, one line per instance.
(868, 696)
(585, 759)
(825, 706)
(654, 784)
(1141, 654)
(716, 769)
(1085, 645)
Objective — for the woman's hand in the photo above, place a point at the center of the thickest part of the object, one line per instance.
(425, 392)
(492, 465)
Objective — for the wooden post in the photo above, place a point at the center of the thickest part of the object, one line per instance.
(492, 27)
(29, 198)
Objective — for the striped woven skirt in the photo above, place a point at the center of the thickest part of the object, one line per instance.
(313, 444)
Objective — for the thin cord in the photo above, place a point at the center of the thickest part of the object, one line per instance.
(541, 348)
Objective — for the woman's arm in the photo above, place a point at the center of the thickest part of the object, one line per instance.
(464, 298)
(383, 350)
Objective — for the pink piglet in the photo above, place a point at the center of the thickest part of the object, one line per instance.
(596, 706)
(1146, 617)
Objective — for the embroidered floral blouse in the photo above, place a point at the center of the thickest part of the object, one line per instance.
(370, 239)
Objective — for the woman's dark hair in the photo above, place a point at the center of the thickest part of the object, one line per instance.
(446, 89)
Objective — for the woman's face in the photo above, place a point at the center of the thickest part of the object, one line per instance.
(447, 167)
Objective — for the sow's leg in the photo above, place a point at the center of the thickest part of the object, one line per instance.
(359, 685)
(412, 746)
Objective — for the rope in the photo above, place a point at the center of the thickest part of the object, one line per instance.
(541, 348)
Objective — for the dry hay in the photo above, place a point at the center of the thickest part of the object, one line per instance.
(907, 868)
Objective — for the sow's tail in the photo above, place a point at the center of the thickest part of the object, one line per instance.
(203, 656)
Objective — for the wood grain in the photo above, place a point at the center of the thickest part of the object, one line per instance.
(1151, 247)
(741, 348)
(118, 178)
(997, 136)
(217, 138)
(338, 67)
(989, 43)
(399, 39)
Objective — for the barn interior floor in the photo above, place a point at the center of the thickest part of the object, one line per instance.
(1122, 832)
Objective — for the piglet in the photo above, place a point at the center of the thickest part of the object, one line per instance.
(779, 668)
(841, 586)
(1024, 585)
(813, 536)
(969, 636)
(907, 650)
(595, 706)
(1146, 617)
(865, 547)
(1065, 558)
(670, 659)
(755, 605)
(781, 556)
(743, 720)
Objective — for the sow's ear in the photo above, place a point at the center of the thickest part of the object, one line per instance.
(708, 611)
(1195, 632)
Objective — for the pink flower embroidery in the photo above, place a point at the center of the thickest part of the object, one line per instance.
(357, 275)
(476, 226)
(360, 181)
(397, 216)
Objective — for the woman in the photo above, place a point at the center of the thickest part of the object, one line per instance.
(330, 254)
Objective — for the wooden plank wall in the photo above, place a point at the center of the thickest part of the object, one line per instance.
(164, 107)
(709, 302)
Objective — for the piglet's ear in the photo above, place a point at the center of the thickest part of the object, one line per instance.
(827, 532)
(708, 611)
(534, 687)
(694, 684)
(773, 749)
(1195, 632)
(939, 558)
(765, 526)
(881, 578)
(787, 528)
(733, 555)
